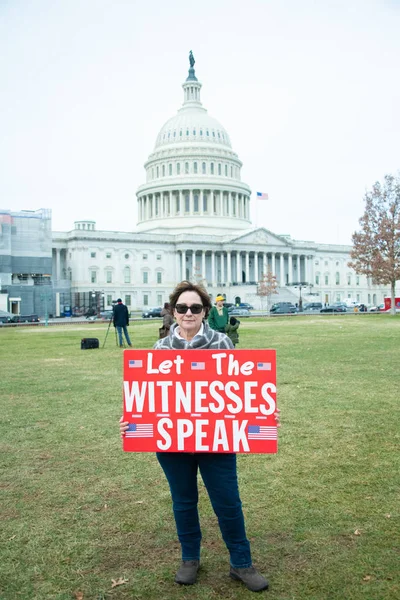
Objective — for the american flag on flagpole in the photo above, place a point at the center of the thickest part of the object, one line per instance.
(261, 196)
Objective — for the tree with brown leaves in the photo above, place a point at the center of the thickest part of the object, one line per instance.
(376, 247)
(267, 286)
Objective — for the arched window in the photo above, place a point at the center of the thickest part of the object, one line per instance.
(178, 168)
(337, 278)
(163, 170)
(158, 172)
(212, 168)
(170, 169)
(186, 167)
(195, 167)
(205, 203)
(203, 168)
(127, 275)
(219, 169)
(187, 203)
(196, 203)
(226, 170)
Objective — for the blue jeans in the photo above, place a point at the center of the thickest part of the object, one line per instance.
(124, 329)
(218, 472)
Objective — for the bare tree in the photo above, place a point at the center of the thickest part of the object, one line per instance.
(267, 286)
(376, 247)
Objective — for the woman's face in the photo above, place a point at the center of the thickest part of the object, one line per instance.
(220, 303)
(188, 322)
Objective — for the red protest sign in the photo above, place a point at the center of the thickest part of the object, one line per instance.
(200, 401)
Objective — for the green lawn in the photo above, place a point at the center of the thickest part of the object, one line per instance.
(322, 514)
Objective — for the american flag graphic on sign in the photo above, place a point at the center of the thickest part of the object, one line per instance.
(135, 364)
(198, 366)
(139, 430)
(262, 366)
(262, 432)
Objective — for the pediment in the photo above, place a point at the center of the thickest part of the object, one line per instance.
(261, 237)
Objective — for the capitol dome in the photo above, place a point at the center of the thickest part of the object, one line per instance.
(193, 175)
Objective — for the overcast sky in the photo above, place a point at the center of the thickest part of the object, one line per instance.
(309, 92)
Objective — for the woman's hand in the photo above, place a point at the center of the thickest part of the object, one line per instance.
(277, 417)
(123, 426)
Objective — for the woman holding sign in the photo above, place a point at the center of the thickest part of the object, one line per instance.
(190, 305)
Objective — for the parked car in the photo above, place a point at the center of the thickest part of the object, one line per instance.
(313, 306)
(106, 315)
(150, 313)
(4, 319)
(341, 306)
(25, 319)
(334, 308)
(239, 312)
(283, 308)
(377, 308)
(246, 305)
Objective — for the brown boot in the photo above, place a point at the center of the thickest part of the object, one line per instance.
(187, 572)
(253, 580)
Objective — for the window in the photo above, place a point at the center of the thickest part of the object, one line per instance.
(358, 297)
(108, 254)
(212, 168)
(159, 299)
(92, 255)
(232, 172)
(219, 169)
(93, 276)
(337, 278)
(203, 168)
(348, 279)
(170, 169)
(145, 299)
(158, 172)
(70, 274)
(163, 170)
(187, 203)
(159, 277)
(196, 203)
(226, 170)
(195, 167)
(145, 277)
(326, 279)
(205, 203)
(144, 256)
(108, 276)
(109, 299)
(357, 280)
(317, 262)
(127, 275)
(337, 263)
(178, 168)
(128, 299)
(177, 204)
(186, 168)
(317, 280)
(326, 263)
(126, 256)
(158, 257)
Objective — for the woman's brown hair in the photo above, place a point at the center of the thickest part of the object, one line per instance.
(188, 286)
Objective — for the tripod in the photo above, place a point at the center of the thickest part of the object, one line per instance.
(108, 329)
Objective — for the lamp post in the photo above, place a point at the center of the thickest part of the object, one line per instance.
(299, 285)
(46, 297)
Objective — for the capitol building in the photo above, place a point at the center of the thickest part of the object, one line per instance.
(193, 223)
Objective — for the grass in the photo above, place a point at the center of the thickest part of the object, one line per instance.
(322, 515)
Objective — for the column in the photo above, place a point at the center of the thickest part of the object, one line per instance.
(212, 267)
(273, 263)
(58, 265)
(265, 263)
(238, 267)
(290, 268)
(222, 267)
(229, 267)
(191, 212)
(247, 263)
(183, 252)
(203, 264)
(201, 206)
(282, 270)
(178, 270)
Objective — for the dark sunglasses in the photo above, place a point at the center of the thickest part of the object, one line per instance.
(195, 309)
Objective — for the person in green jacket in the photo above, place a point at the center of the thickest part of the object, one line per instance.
(231, 330)
(218, 317)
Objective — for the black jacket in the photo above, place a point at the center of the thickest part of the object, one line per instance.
(121, 315)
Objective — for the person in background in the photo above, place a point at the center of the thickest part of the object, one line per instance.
(218, 317)
(190, 305)
(231, 330)
(168, 319)
(121, 322)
